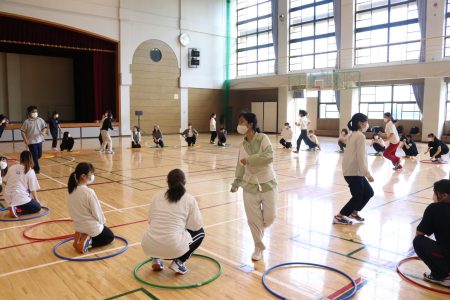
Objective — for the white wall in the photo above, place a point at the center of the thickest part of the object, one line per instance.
(132, 22)
(46, 82)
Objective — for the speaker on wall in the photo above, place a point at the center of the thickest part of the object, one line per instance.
(194, 57)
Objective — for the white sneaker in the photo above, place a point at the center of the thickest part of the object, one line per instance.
(257, 255)
(109, 152)
(178, 267)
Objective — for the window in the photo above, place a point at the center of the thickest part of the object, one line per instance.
(386, 31)
(255, 53)
(327, 105)
(447, 31)
(397, 99)
(312, 38)
(448, 102)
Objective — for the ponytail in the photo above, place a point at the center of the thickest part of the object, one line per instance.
(82, 168)
(389, 115)
(26, 160)
(176, 181)
(353, 124)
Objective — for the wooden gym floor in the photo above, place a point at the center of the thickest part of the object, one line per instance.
(311, 190)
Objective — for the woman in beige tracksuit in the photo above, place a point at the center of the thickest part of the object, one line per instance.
(255, 174)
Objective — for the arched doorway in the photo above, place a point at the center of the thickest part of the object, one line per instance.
(155, 87)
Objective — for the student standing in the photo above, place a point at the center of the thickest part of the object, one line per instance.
(21, 187)
(342, 140)
(100, 139)
(53, 123)
(286, 136)
(356, 172)
(33, 130)
(190, 135)
(436, 147)
(158, 136)
(303, 124)
(107, 141)
(393, 139)
(436, 253)
(212, 127)
(256, 176)
(175, 230)
(85, 211)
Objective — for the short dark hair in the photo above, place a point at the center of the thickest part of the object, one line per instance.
(431, 135)
(442, 187)
(31, 108)
(344, 130)
(303, 112)
(250, 118)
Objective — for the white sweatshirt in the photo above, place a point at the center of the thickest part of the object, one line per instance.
(354, 162)
(390, 128)
(212, 124)
(85, 211)
(167, 237)
(286, 134)
(19, 185)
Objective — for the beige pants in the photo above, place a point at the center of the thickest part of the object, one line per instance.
(260, 209)
(107, 141)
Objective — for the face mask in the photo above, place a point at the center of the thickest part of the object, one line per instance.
(57, 116)
(91, 180)
(366, 127)
(34, 115)
(3, 165)
(242, 129)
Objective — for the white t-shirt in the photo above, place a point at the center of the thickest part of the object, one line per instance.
(19, 185)
(314, 138)
(212, 124)
(390, 128)
(85, 211)
(286, 134)
(167, 237)
(354, 162)
(303, 123)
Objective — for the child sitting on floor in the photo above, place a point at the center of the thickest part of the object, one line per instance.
(342, 140)
(222, 137)
(136, 137)
(67, 142)
(436, 253)
(378, 144)
(314, 141)
(286, 136)
(409, 147)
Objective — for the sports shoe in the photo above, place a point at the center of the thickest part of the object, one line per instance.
(437, 160)
(357, 217)
(430, 278)
(398, 166)
(257, 254)
(342, 220)
(13, 212)
(295, 151)
(157, 264)
(101, 150)
(178, 267)
(109, 152)
(83, 243)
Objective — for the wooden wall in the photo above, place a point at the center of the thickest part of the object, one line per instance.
(203, 102)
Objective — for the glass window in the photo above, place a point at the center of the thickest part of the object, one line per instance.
(327, 105)
(386, 31)
(255, 53)
(447, 31)
(448, 102)
(397, 99)
(312, 38)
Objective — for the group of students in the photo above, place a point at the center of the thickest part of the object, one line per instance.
(221, 135)
(309, 137)
(434, 253)
(175, 224)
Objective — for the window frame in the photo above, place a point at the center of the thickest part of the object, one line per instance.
(387, 26)
(314, 37)
(447, 31)
(327, 104)
(390, 103)
(256, 34)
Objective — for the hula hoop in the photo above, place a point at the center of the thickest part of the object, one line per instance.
(406, 278)
(179, 287)
(46, 212)
(55, 251)
(428, 161)
(24, 233)
(353, 292)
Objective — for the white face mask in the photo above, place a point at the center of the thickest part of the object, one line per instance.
(56, 116)
(242, 129)
(3, 165)
(91, 180)
(34, 115)
(366, 127)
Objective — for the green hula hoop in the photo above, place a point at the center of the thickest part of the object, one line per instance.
(178, 287)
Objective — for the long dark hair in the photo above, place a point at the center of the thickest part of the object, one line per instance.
(82, 168)
(250, 118)
(353, 124)
(26, 160)
(389, 115)
(176, 181)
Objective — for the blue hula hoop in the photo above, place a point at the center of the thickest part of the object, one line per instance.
(55, 251)
(353, 292)
(46, 212)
